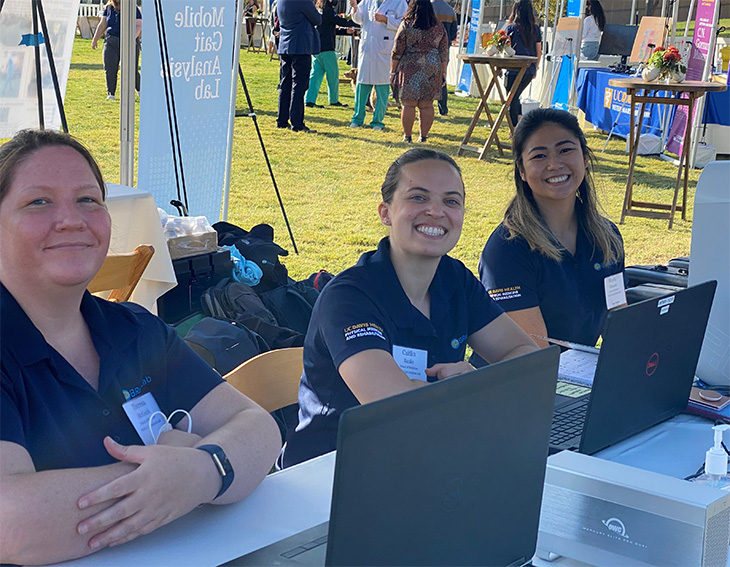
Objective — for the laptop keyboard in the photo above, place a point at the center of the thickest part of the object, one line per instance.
(567, 426)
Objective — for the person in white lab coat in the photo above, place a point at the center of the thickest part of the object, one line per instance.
(379, 20)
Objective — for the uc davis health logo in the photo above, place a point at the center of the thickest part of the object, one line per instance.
(607, 96)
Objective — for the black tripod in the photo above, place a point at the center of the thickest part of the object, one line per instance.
(251, 114)
(35, 39)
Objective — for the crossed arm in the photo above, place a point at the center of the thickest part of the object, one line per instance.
(63, 514)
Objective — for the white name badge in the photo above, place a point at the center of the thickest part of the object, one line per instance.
(138, 411)
(412, 361)
(615, 292)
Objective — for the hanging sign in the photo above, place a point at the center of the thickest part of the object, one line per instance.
(471, 45)
(697, 55)
(200, 52)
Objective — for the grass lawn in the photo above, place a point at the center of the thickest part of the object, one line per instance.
(330, 181)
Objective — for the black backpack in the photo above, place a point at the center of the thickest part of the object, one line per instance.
(291, 304)
(258, 246)
(228, 300)
(224, 345)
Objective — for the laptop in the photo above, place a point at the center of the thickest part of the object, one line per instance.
(448, 474)
(644, 373)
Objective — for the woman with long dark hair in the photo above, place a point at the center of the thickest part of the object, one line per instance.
(419, 59)
(526, 39)
(546, 264)
(593, 25)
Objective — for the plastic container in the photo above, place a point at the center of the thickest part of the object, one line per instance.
(715, 474)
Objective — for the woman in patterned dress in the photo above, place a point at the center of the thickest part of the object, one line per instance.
(418, 63)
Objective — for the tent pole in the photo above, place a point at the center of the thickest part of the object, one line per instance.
(128, 34)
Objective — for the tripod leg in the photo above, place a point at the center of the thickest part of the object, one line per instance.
(252, 114)
(38, 78)
(52, 66)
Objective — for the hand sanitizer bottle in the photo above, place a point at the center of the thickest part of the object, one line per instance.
(715, 474)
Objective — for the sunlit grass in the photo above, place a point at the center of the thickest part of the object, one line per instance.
(330, 181)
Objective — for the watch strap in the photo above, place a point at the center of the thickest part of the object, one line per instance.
(222, 464)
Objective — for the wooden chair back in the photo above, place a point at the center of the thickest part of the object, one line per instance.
(120, 273)
(270, 379)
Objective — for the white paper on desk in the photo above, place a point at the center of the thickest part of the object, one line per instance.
(577, 366)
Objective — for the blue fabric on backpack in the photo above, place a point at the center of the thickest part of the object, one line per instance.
(244, 271)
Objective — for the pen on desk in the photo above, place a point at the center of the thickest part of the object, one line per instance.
(566, 344)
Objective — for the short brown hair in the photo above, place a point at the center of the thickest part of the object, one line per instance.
(14, 152)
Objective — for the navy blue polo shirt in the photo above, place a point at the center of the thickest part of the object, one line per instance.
(48, 408)
(521, 48)
(112, 20)
(570, 293)
(365, 308)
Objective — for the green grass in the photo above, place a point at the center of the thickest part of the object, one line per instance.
(330, 181)
(721, 23)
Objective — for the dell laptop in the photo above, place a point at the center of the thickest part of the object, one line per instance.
(448, 474)
(644, 373)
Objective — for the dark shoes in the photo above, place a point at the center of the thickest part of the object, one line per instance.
(303, 129)
(283, 126)
(338, 103)
(313, 105)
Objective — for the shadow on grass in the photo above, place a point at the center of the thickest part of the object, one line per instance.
(87, 66)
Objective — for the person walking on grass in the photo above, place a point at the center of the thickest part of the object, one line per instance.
(419, 60)
(379, 21)
(447, 16)
(109, 28)
(324, 63)
(298, 41)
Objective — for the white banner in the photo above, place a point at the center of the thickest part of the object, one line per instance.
(200, 50)
(18, 95)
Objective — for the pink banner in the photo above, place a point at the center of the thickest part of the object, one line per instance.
(695, 65)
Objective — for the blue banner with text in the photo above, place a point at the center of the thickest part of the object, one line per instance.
(199, 54)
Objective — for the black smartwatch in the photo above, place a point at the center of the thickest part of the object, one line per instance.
(222, 464)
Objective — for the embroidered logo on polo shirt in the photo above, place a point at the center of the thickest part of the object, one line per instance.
(133, 392)
(505, 293)
(363, 330)
(456, 343)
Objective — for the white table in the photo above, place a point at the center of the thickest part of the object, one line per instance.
(135, 221)
(287, 502)
(298, 498)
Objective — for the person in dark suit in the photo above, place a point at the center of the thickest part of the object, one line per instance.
(298, 41)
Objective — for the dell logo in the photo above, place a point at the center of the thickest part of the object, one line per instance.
(652, 364)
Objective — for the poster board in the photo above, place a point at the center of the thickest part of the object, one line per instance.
(567, 34)
(651, 30)
(18, 95)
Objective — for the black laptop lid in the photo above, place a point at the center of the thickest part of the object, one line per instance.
(646, 366)
(449, 474)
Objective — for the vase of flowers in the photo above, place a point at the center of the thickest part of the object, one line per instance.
(668, 62)
(498, 44)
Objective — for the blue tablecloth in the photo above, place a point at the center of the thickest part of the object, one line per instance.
(603, 103)
(718, 108)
